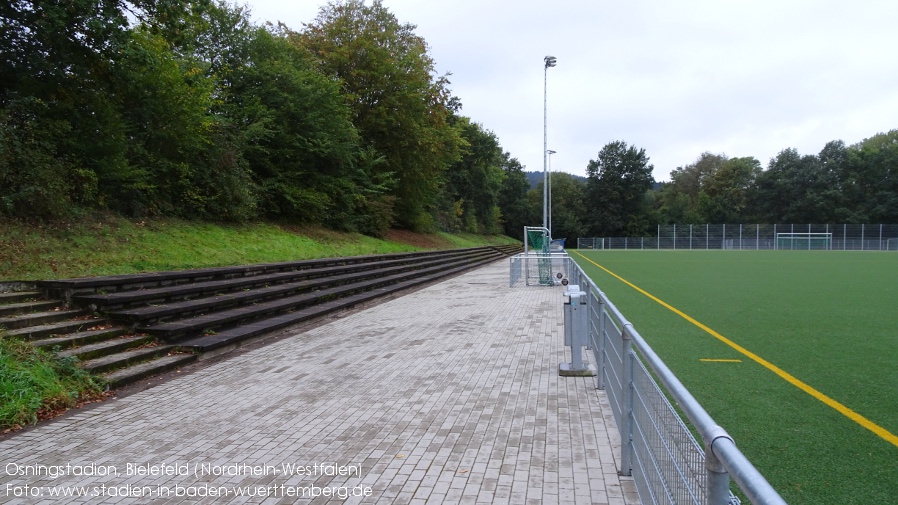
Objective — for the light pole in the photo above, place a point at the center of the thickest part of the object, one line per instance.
(549, 62)
(550, 153)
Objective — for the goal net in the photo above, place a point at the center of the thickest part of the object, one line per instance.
(590, 243)
(804, 241)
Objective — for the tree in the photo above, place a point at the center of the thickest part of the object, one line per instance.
(472, 183)
(691, 179)
(870, 178)
(797, 189)
(398, 106)
(616, 186)
(727, 192)
(513, 199)
(61, 72)
(683, 199)
(568, 206)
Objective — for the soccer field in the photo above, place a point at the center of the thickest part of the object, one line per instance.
(800, 366)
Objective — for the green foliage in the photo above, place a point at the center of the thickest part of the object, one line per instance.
(512, 199)
(798, 189)
(399, 108)
(34, 178)
(31, 379)
(869, 178)
(470, 193)
(568, 207)
(725, 194)
(189, 109)
(852, 184)
(616, 186)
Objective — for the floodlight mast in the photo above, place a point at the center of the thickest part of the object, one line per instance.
(549, 62)
(550, 153)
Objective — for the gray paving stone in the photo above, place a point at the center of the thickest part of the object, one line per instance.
(446, 395)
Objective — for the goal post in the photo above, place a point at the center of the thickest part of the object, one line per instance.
(804, 241)
(590, 243)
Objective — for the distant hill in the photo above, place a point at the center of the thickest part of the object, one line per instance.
(537, 177)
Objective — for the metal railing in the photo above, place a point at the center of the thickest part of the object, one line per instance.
(539, 269)
(668, 464)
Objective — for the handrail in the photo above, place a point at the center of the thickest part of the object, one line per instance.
(722, 458)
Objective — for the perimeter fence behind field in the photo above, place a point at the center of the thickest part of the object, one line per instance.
(839, 237)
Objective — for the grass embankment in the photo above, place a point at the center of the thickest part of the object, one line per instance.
(109, 245)
(35, 384)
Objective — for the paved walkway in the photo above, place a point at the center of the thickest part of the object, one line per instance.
(447, 395)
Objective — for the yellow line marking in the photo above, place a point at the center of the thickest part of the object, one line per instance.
(713, 360)
(842, 409)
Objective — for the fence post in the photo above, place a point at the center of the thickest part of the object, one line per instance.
(626, 445)
(601, 328)
(718, 480)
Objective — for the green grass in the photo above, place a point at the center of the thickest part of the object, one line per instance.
(35, 382)
(827, 318)
(107, 245)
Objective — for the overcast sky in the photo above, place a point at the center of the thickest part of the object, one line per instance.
(742, 78)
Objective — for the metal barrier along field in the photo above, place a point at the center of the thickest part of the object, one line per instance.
(539, 269)
(668, 464)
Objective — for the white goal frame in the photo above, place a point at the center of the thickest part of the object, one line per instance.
(591, 243)
(804, 241)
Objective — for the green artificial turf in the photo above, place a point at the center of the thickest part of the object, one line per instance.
(830, 319)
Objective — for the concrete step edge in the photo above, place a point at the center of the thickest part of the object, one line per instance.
(134, 373)
(106, 347)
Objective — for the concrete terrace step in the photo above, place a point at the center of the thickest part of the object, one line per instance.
(126, 358)
(159, 313)
(232, 337)
(19, 296)
(106, 347)
(125, 298)
(134, 373)
(80, 338)
(175, 330)
(57, 328)
(236, 303)
(67, 288)
(38, 318)
(12, 309)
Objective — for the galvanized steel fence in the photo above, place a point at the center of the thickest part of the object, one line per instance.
(539, 269)
(668, 464)
(842, 237)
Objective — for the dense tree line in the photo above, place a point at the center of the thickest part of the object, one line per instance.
(189, 109)
(841, 184)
